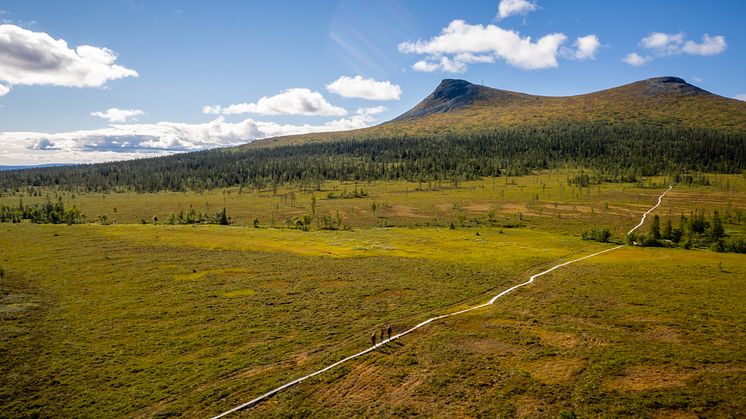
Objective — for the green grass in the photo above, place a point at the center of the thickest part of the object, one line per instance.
(144, 320)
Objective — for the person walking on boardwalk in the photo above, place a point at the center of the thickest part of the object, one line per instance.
(383, 335)
(373, 338)
(388, 331)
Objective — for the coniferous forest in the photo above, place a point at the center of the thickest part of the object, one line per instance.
(620, 152)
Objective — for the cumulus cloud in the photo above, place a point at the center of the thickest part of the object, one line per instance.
(445, 65)
(118, 115)
(4, 90)
(461, 43)
(128, 141)
(508, 8)
(661, 44)
(664, 43)
(296, 101)
(359, 87)
(710, 45)
(584, 48)
(635, 59)
(742, 97)
(35, 58)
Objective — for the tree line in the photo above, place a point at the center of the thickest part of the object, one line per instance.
(698, 230)
(44, 213)
(619, 152)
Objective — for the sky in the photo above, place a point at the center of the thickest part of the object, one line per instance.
(91, 81)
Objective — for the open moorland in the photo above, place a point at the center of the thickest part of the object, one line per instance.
(132, 314)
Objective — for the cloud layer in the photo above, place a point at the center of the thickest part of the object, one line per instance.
(128, 141)
(35, 58)
(359, 87)
(296, 101)
(660, 44)
(461, 44)
(118, 115)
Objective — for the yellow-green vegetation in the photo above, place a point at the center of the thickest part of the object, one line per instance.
(632, 333)
(132, 319)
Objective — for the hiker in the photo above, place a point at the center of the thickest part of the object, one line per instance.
(383, 335)
(388, 331)
(373, 338)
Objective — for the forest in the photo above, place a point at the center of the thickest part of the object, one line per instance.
(619, 152)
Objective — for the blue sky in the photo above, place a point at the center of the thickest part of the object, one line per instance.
(165, 76)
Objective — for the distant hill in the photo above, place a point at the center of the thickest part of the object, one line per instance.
(460, 131)
(31, 166)
(459, 106)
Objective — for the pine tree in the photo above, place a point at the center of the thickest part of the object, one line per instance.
(223, 218)
(655, 228)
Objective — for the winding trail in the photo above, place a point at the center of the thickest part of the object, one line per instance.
(430, 320)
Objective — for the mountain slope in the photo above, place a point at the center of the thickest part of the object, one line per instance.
(457, 106)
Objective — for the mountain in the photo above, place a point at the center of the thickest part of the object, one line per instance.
(451, 95)
(459, 106)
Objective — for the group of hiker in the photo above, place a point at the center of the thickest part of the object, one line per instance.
(387, 331)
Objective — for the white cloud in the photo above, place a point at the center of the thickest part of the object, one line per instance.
(366, 114)
(742, 97)
(118, 115)
(128, 141)
(4, 90)
(585, 48)
(296, 101)
(35, 58)
(467, 43)
(711, 45)
(425, 66)
(663, 44)
(445, 65)
(359, 87)
(635, 59)
(515, 7)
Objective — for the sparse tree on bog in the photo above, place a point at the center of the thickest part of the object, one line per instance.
(655, 228)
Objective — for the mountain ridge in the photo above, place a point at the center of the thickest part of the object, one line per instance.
(460, 106)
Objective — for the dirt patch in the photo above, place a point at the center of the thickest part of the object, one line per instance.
(276, 285)
(643, 377)
(389, 294)
(663, 334)
(553, 370)
(485, 346)
(404, 211)
(673, 414)
(478, 207)
(558, 339)
(239, 293)
(529, 407)
(514, 208)
(335, 284)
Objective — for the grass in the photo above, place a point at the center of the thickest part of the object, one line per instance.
(543, 201)
(156, 320)
(605, 338)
